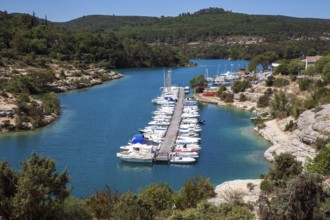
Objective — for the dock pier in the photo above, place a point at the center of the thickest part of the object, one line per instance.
(169, 140)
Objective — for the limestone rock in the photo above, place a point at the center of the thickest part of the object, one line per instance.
(313, 124)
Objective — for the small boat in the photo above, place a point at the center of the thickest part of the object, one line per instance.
(186, 90)
(136, 157)
(182, 160)
(186, 154)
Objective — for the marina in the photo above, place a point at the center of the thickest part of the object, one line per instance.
(173, 134)
(96, 122)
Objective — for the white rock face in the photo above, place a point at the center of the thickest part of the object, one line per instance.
(248, 189)
(285, 142)
(313, 124)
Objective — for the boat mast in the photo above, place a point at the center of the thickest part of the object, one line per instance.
(168, 80)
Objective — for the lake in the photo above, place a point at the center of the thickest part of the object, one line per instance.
(95, 122)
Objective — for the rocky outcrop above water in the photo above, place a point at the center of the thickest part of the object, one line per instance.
(311, 125)
(284, 142)
(246, 191)
(314, 124)
(74, 78)
(65, 77)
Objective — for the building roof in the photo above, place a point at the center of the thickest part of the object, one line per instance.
(312, 59)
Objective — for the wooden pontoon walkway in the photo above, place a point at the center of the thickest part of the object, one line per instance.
(171, 134)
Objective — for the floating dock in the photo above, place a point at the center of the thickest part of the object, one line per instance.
(172, 131)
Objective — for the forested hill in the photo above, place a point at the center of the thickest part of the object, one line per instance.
(101, 22)
(216, 33)
(205, 24)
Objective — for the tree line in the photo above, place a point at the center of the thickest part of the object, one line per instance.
(34, 42)
(287, 36)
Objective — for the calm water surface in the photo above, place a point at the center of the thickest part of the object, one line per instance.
(96, 121)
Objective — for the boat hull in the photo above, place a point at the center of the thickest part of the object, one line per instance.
(136, 160)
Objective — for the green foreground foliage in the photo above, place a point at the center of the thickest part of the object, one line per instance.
(289, 193)
(37, 191)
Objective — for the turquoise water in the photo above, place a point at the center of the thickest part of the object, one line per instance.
(96, 121)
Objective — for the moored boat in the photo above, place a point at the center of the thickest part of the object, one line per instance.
(182, 160)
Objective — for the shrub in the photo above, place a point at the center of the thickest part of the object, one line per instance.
(268, 91)
(242, 97)
(51, 104)
(290, 126)
(279, 105)
(304, 84)
(158, 196)
(241, 86)
(265, 186)
(270, 81)
(280, 82)
(102, 204)
(250, 186)
(285, 166)
(194, 191)
(321, 163)
(309, 103)
(227, 97)
(320, 143)
(263, 101)
(221, 89)
(322, 96)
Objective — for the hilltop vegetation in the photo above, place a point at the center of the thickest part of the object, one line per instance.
(32, 41)
(216, 33)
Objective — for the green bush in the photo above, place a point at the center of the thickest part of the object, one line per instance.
(198, 81)
(321, 163)
(322, 96)
(263, 101)
(280, 82)
(193, 191)
(240, 86)
(227, 97)
(270, 81)
(158, 196)
(265, 186)
(242, 97)
(309, 103)
(304, 84)
(221, 89)
(280, 105)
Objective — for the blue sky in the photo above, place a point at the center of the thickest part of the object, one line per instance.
(64, 10)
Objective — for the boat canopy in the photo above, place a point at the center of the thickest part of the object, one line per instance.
(138, 138)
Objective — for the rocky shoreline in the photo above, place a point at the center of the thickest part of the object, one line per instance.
(311, 125)
(67, 78)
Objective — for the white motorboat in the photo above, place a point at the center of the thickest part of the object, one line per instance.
(185, 148)
(136, 157)
(182, 160)
(186, 154)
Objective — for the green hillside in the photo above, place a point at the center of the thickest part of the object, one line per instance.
(216, 33)
(206, 23)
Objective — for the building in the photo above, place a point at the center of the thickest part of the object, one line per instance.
(311, 60)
